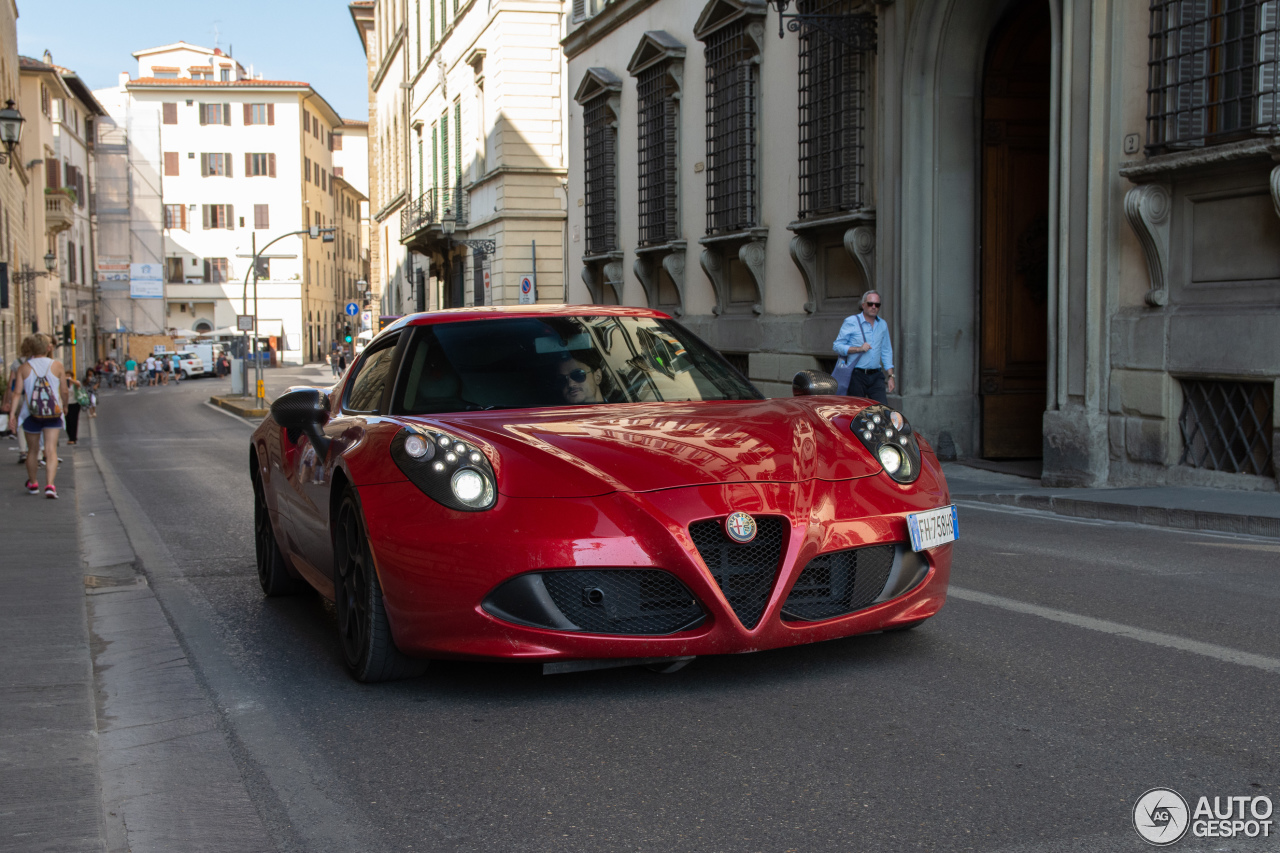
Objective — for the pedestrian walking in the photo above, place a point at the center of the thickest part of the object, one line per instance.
(332, 358)
(44, 390)
(12, 392)
(130, 374)
(77, 398)
(92, 381)
(866, 354)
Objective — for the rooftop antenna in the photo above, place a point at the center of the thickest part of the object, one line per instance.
(217, 34)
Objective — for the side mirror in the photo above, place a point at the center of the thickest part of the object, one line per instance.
(303, 411)
(810, 383)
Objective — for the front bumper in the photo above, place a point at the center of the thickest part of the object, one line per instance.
(437, 572)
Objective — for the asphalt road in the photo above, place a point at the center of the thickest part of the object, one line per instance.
(1078, 665)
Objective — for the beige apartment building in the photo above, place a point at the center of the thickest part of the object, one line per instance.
(467, 151)
(1071, 210)
(61, 115)
(20, 271)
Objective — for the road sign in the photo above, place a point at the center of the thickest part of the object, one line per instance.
(527, 296)
(262, 390)
(352, 309)
(244, 322)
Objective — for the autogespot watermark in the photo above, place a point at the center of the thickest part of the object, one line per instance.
(1162, 817)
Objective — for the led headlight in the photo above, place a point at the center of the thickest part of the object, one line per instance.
(890, 439)
(447, 469)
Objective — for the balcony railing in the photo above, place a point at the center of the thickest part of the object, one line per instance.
(59, 212)
(430, 208)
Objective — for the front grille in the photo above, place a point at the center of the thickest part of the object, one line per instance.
(624, 601)
(839, 583)
(745, 573)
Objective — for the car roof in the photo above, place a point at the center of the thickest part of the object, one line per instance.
(492, 312)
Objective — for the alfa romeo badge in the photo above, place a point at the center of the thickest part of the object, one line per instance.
(740, 527)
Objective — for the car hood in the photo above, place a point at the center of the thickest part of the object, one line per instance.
(648, 446)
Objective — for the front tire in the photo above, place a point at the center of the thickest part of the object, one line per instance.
(273, 575)
(367, 645)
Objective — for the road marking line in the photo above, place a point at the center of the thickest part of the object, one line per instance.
(1142, 635)
(223, 411)
(1272, 549)
(1050, 515)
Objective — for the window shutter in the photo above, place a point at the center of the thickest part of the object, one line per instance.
(207, 210)
(248, 114)
(337, 142)
(226, 114)
(170, 164)
(271, 165)
(231, 217)
(579, 10)
(51, 173)
(203, 114)
(204, 165)
(271, 113)
(248, 166)
(226, 158)
(170, 113)
(183, 209)
(206, 269)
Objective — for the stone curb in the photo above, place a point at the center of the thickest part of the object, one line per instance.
(1152, 516)
(239, 406)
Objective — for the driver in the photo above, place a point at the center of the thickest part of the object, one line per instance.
(577, 381)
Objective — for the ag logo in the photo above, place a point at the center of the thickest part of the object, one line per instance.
(740, 527)
(1160, 816)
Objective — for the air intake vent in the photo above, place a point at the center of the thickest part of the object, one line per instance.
(745, 572)
(624, 601)
(839, 583)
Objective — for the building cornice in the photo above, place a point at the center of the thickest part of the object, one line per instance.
(391, 206)
(1152, 168)
(601, 24)
(388, 58)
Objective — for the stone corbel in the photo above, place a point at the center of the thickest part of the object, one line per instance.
(646, 270)
(1148, 208)
(752, 254)
(674, 265)
(804, 254)
(589, 278)
(713, 265)
(1275, 189)
(613, 278)
(860, 242)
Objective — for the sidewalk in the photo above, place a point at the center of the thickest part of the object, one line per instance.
(1184, 507)
(50, 798)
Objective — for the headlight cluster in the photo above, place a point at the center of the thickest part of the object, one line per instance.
(891, 440)
(447, 469)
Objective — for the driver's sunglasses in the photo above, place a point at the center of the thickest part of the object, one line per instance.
(579, 376)
(873, 304)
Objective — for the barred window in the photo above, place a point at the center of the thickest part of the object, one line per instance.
(834, 92)
(1213, 74)
(658, 120)
(602, 178)
(732, 116)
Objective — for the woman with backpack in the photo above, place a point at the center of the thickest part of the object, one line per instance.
(44, 389)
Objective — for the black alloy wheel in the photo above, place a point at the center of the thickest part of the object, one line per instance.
(367, 645)
(273, 575)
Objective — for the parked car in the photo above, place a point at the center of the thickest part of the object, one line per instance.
(189, 362)
(589, 487)
(208, 354)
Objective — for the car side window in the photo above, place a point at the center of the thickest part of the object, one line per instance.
(371, 379)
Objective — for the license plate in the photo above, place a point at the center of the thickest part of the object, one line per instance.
(933, 528)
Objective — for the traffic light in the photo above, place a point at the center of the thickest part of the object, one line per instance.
(71, 333)
(346, 333)
(68, 331)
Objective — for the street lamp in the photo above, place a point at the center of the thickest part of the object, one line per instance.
(856, 30)
(10, 131)
(449, 225)
(50, 259)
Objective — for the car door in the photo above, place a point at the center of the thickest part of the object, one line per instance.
(359, 409)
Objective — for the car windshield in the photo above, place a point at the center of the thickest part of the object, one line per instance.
(545, 362)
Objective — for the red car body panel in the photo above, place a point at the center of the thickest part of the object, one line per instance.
(603, 486)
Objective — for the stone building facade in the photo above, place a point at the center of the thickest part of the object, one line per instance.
(467, 151)
(1070, 208)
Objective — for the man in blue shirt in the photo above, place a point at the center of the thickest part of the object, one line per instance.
(863, 344)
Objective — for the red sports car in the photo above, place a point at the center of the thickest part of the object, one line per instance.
(589, 487)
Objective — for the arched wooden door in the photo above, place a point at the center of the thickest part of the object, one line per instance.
(1015, 233)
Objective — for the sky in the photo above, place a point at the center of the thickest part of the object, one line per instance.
(312, 41)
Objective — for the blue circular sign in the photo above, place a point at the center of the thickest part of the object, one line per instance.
(352, 309)
(525, 285)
